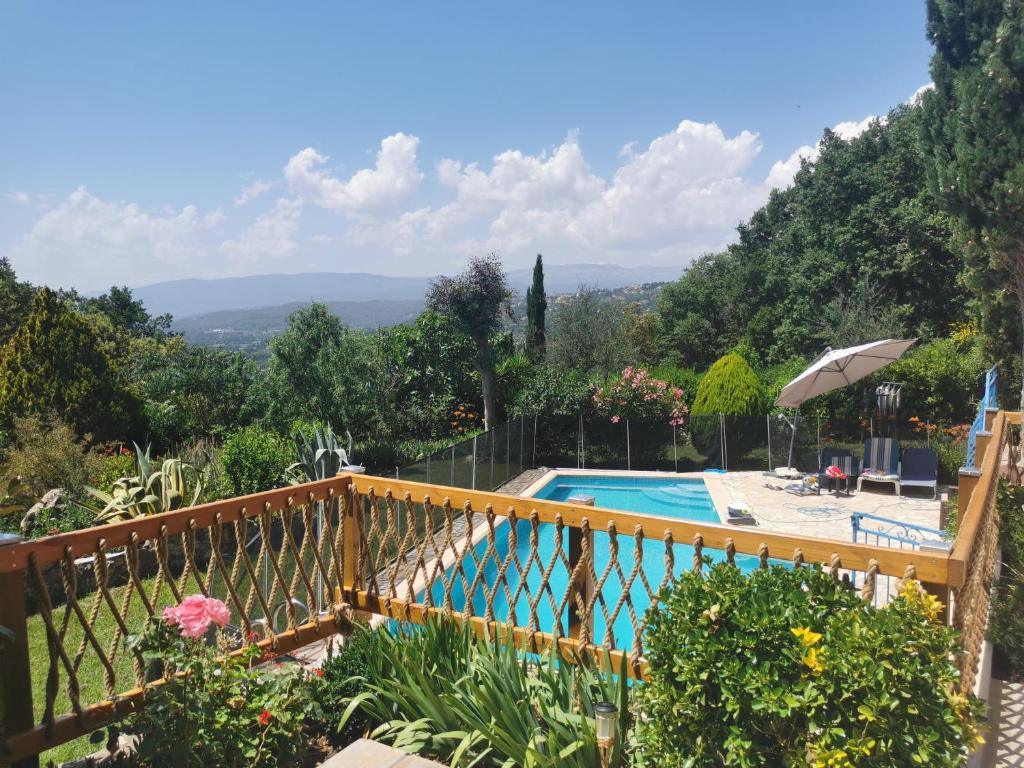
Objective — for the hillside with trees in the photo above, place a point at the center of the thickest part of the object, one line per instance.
(859, 247)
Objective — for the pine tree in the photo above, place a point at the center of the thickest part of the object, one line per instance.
(974, 135)
(536, 307)
(54, 363)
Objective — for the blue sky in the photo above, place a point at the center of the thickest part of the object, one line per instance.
(401, 138)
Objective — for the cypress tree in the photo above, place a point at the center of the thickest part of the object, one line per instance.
(54, 363)
(974, 136)
(536, 307)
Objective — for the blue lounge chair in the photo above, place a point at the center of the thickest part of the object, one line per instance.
(920, 469)
(881, 462)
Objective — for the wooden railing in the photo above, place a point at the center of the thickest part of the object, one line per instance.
(546, 572)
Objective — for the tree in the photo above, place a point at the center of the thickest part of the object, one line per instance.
(15, 300)
(317, 372)
(975, 140)
(476, 300)
(126, 312)
(589, 334)
(861, 213)
(536, 307)
(55, 363)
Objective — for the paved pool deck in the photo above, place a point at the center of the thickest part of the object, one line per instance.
(826, 515)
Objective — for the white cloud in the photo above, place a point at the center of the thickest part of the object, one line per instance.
(21, 198)
(916, 95)
(392, 180)
(269, 240)
(251, 191)
(681, 195)
(90, 243)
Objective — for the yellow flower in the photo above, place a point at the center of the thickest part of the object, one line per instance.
(806, 636)
(812, 662)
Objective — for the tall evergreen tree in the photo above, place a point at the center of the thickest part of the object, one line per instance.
(55, 363)
(536, 307)
(15, 300)
(974, 133)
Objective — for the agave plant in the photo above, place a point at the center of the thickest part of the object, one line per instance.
(319, 458)
(150, 491)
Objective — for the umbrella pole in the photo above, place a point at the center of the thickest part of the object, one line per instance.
(792, 439)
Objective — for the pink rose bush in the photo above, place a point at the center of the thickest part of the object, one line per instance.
(196, 614)
(637, 395)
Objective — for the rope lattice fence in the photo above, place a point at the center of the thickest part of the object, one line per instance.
(299, 564)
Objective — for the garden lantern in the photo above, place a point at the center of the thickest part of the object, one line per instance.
(605, 717)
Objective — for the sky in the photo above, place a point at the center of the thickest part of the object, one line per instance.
(142, 142)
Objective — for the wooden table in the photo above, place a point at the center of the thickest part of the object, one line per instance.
(371, 754)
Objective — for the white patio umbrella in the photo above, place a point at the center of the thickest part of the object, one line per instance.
(836, 368)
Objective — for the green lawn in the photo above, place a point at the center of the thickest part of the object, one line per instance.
(90, 673)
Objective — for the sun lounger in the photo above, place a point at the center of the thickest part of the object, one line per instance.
(881, 462)
(920, 469)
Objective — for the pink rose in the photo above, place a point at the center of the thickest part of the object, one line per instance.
(615, 419)
(195, 615)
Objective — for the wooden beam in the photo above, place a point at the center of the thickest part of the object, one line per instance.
(51, 549)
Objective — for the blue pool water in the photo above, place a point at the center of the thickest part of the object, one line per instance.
(685, 498)
(671, 497)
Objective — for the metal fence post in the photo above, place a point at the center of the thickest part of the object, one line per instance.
(473, 485)
(14, 662)
(452, 482)
(629, 457)
(768, 427)
(428, 467)
(721, 436)
(533, 464)
(675, 451)
(581, 458)
(522, 433)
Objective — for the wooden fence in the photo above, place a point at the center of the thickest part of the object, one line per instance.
(547, 572)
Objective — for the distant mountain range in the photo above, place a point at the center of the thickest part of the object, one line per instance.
(187, 298)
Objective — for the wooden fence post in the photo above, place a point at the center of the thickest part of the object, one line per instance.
(583, 586)
(15, 670)
(350, 552)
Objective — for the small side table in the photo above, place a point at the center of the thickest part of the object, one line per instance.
(834, 483)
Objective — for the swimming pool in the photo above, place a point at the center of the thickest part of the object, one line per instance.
(680, 497)
(668, 497)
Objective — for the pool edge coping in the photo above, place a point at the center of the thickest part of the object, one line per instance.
(720, 495)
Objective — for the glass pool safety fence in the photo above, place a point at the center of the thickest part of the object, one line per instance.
(736, 443)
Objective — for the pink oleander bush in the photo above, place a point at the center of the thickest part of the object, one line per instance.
(638, 395)
(222, 702)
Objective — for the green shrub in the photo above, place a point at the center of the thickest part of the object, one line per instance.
(553, 392)
(341, 678)
(686, 379)
(438, 690)
(47, 454)
(731, 387)
(1006, 628)
(254, 459)
(114, 463)
(770, 668)
(227, 711)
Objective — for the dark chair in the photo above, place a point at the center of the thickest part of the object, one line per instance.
(839, 457)
(881, 462)
(920, 469)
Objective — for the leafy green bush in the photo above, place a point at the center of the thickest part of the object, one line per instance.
(686, 379)
(771, 668)
(439, 691)
(1006, 628)
(940, 380)
(731, 387)
(47, 454)
(553, 392)
(226, 710)
(254, 459)
(341, 678)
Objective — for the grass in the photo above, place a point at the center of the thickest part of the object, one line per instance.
(90, 673)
